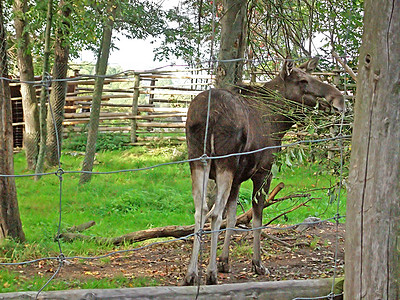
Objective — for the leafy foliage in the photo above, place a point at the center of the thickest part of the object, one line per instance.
(276, 28)
(297, 29)
(341, 22)
(190, 34)
(136, 19)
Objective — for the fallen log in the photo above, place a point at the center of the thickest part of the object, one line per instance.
(172, 230)
(137, 236)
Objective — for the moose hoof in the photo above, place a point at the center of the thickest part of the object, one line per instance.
(223, 266)
(211, 278)
(190, 279)
(259, 268)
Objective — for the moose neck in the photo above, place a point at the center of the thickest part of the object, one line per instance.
(275, 113)
(275, 84)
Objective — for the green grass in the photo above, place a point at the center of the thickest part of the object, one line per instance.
(126, 202)
(308, 179)
(118, 203)
(14, 282)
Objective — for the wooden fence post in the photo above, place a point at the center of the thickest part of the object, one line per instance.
(135, 103)
(151, 95)
(372, 262)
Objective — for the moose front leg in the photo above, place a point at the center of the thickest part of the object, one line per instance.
(199, 176)
(224, 183)
(259, 185)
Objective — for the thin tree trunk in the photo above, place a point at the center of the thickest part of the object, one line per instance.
(59, 88)
(101, 68)
(10, 222)
(29, 101)
(233, 43)
(44, 92)
(372, 263)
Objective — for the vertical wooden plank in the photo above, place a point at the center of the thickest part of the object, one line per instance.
(151, 95)
(373, 212)
(135, 103)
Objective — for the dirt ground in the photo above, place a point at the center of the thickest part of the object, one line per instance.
(288, 255)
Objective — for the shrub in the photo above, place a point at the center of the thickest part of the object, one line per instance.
(105, 142)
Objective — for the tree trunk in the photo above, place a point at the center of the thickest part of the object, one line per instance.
(29, 101)
(233, 43)
(372, 264)
(10, 222)
(101, 68)
(59, 88)
(44, 92)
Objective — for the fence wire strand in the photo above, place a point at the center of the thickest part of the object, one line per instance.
(201, 158)
(61, 259)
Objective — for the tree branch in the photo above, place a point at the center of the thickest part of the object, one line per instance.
(290, 210)
(345, 66)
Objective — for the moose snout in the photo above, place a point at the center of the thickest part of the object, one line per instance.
(337, 101)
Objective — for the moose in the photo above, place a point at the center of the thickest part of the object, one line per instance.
(241, 120)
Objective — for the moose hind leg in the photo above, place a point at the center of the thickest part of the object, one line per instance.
(199, 176)
(223, 260)
(257, 264)
(258, 205)
(224, 183)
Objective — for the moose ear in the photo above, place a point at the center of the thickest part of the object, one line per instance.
(309, 65)
(287, 68)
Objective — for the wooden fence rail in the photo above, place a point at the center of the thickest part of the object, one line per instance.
(148, 112)
(272, 290)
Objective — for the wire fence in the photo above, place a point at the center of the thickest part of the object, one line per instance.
(58, 85)
(61, 259)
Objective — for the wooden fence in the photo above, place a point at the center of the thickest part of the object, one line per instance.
(147, 106)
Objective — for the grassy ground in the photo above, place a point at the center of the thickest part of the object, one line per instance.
(126, 202)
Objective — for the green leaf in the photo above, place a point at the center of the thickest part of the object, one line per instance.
(274, 170)
(288, 161)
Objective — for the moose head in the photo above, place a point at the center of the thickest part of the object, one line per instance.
(297, 84)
